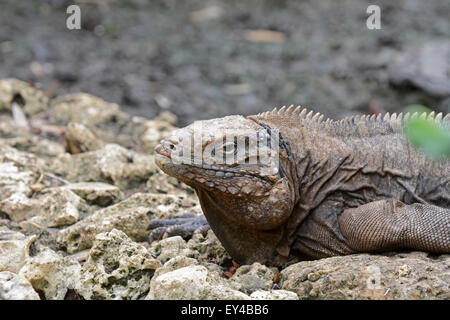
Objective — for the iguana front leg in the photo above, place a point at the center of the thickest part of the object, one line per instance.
(185, 226)
(391, 224)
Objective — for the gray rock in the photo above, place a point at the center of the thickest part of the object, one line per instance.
(131, 216)
(85, 109)
(18, 207)
(15, 287)
(117, 268)
(62, 207)
(274, 295)
(14, 249)
(250, 278)
(51, 273)
(208, 248)
(18, 171)
(113, 163)
(101, 194)
(169, 248)
(79, 139)
(192, 282)
(33, 100)
(56, 207)
(363, 276)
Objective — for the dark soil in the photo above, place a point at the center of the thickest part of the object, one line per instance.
(150, 56)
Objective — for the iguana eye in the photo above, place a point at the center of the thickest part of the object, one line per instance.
(229, 148)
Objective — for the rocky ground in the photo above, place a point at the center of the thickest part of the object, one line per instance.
(78, 187)
(209, 58)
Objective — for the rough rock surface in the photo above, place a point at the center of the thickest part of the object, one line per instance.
(62, 207)
(52, 274)
(400, 276)
(79, 139)
(55, 207)
(111, 164)
(191, 282)
(32, 99)
(101, 194)
(208, 248)
(14, 249)
(274, 295)
(96, 202)
(18, 171)
(170, 248)
(15, 287)
(86, 109)
(252, 278)
(117, 268)
(131, 216)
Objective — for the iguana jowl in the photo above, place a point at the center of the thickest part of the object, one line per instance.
(355, 185)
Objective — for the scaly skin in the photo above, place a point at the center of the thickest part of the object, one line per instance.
(341, 187)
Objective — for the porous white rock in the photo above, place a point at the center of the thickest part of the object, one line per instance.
(117, 268)
(14, 249)
(15, 287)
(51, 273)
(192, 282)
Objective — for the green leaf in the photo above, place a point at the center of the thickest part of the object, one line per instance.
(427, 135)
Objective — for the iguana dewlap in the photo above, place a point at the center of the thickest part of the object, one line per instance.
(340, 187)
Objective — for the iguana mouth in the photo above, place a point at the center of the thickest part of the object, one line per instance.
(163, 159)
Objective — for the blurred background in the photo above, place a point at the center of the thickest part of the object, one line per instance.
(203, 59)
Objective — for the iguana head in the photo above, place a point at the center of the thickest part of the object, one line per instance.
(238, 170)
(233, 160)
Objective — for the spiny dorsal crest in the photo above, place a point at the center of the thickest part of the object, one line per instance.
(360, 126)
(292, 116)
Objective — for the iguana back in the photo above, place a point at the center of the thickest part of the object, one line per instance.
(355, 185)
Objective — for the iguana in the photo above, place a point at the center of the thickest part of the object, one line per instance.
(341, 187)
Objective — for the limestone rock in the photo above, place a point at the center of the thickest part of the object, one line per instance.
(155, 130)
(113, 163)
(79, 139)
(169, 248)
(363, 276)
(274, 295)
(192, 282)
(45, 148)
(14, 249)
(18, 171)
(117, 268)
(15, 287)
(55, 208)
(145, 134)
(101, 194)
(51, 273)
(85, 109)
(32, 99)
(20, 138)
(250, 278)
(18, 207)
(208, 248)
(159, 182)
(131, 216)
(62, 207)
